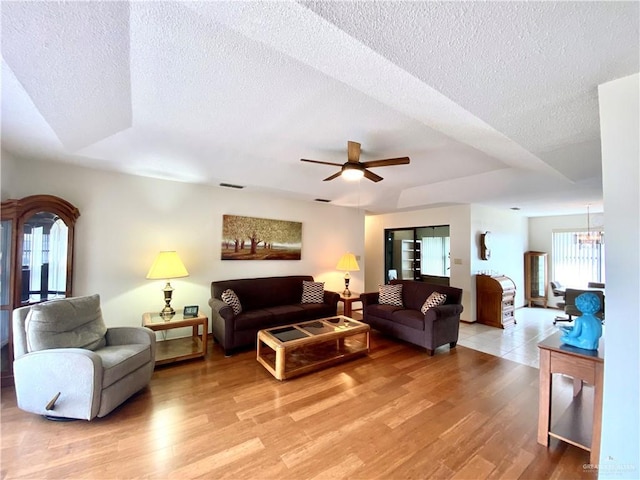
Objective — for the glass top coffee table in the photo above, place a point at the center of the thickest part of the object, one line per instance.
(300, 348)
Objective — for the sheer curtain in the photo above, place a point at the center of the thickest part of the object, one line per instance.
(576, 264)
(58, 258)
(34, 262)
(435, 256)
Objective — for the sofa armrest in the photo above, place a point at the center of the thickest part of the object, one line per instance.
(129, 335)
(218, 307)
(369, 298)
(331, 298)
(443, 312)
(74, 372)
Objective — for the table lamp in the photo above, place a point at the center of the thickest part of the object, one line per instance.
(347, 263)
(167, 265)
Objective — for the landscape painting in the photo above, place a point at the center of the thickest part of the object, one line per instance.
(251, 238)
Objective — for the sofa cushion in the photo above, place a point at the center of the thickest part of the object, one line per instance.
(316, 310)
(254, 320)
(119, 361)
(230, 298)
(382, 311)
(434, 300)
(284, 314)
(67, 323)
(390, 295)
(312, 292)
(410, 318)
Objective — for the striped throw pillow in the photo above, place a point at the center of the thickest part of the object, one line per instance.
(312, 292)
(434, 300)
(230, 298)
(390, 295)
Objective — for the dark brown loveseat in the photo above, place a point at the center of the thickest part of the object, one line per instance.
(266, 302)
(439, 326)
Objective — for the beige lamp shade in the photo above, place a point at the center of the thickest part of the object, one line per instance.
(348, 263)
(167, 265)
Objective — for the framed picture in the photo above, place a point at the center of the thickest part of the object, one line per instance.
(251, 238)
(190, 311)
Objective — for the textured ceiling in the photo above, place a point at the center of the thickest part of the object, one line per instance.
(495, 102)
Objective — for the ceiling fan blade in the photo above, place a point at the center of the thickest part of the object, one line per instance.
(372, 176)
(335, 175)
(386, 162)
(321, 162)
(353, 152)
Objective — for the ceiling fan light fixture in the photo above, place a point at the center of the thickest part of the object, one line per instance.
(352, 172)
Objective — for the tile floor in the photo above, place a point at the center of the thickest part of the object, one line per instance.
(517, 343)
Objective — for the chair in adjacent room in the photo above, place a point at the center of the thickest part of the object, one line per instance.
(570, 303)
(69, 365)
(559, 291)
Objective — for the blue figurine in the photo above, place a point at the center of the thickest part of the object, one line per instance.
(587, 328)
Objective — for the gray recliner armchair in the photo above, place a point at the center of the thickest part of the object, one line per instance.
(68, 364)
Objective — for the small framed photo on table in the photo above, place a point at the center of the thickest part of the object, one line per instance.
(190, 311)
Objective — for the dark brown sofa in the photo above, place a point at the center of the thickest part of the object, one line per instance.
(266, 302)
(439, 326)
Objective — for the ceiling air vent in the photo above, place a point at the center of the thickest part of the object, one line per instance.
(231, 185)
(323, 200)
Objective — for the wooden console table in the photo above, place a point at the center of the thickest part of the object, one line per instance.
(578, 425)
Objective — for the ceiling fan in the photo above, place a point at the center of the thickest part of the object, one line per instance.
(354, 169)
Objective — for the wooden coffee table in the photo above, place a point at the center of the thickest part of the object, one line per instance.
(300, 348)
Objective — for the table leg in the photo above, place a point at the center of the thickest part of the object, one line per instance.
(347, 308)
(280, 363)
(544, 400)
(597, 414)
(577, 386)
(205, 341)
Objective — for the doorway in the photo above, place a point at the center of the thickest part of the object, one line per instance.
(418, 253)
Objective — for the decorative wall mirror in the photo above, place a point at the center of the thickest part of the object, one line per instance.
(36, 260)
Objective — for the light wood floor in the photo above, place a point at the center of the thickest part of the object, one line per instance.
(396, 414)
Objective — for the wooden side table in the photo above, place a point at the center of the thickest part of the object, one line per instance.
(177, 349)
(578, 425)
(348, 302)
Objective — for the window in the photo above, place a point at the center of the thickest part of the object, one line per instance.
(576, 263)
(435, 256)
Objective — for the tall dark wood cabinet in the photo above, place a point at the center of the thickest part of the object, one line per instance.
(495, 300)
(36, 262)
(535, 277)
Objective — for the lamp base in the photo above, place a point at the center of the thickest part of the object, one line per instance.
(167, 311)
(346, 291)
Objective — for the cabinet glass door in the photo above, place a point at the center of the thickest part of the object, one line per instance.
(6, 351)
(44, 258)
(538, 286)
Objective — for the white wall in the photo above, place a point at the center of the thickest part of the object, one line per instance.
(126, 220)
(509, 232)
(467, 222)
(619, 125)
